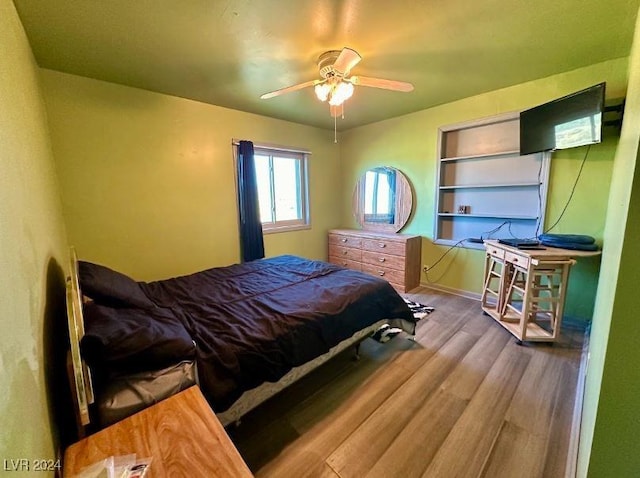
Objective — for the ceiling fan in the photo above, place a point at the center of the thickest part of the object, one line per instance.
(336, 84)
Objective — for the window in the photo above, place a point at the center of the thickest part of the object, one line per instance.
(282, 189)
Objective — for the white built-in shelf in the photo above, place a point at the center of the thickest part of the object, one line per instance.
(496, 216)
(491, 186)
(514, 152)
(466, 244)
(481, 170)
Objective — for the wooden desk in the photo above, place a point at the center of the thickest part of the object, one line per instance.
(525, 289)
(181, 433)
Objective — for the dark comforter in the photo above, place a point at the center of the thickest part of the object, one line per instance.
(253, 322)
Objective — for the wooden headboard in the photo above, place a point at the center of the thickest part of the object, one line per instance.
(79, 374)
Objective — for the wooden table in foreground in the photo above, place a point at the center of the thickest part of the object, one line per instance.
(181, 434)
(525, 289)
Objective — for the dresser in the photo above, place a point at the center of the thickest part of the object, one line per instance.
(393, 257)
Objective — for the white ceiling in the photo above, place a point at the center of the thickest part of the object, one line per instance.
(229, 52)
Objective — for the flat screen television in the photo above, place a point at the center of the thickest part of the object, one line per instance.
(567, 122)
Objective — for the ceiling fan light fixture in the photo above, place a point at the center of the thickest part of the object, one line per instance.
(322, 91)
(335, 91)
(337, 84)
(340, 92)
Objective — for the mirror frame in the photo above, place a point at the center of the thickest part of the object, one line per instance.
(403, 203)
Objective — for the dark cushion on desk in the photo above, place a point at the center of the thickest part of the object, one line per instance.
(567, 239)
(575, 246)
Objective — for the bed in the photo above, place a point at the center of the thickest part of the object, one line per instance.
(241, 332)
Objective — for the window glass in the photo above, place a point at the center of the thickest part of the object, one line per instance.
(282, 189)
(286, 177)
(263, 176)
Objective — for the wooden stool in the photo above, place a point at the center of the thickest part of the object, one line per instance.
(492, 292)
(535, 297)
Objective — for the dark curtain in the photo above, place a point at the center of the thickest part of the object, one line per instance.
(251, 242)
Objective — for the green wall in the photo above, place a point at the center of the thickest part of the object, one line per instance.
(32, 249)
(610, 431)
(148, 183)
(147, 187)
(410, 143)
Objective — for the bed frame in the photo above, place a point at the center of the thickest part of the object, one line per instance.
(80, 374)
(254, 397)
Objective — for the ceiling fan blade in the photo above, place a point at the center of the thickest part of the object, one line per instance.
(346, 60)
(289, 89)
(380, 83)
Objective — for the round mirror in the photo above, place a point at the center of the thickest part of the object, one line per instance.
(382, 200)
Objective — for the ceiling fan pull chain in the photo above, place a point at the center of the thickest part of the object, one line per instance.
(335, 129)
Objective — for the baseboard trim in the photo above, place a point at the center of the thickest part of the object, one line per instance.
(451, 290)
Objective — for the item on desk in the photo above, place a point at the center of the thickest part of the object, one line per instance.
(578, 242)
(99, 469)
(124, 466)
(122, 463)
(139, 470)
(521, 243)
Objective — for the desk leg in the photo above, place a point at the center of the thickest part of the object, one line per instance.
(526, 304)
(562, 295)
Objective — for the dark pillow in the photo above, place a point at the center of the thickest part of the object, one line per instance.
(133, 340)
(109, 287)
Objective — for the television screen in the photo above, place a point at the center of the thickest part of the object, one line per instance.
(570, 121)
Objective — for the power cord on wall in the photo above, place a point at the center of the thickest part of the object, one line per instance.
(426, 269)
(573, 190)
(485, 235)
(539, 221)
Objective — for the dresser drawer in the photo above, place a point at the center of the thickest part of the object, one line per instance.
(344, 240)
(349, 264)
(517, 260)
(349, 253)
(385, 273)
(384, 246)
(495, 251)
(383, 260)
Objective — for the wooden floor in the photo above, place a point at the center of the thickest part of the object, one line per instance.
(463, 400)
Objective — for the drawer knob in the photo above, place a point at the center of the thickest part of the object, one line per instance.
(344, 239)
(380, 273)
(515, 259)
(345, 252)
(382, 259)
(382, 244)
